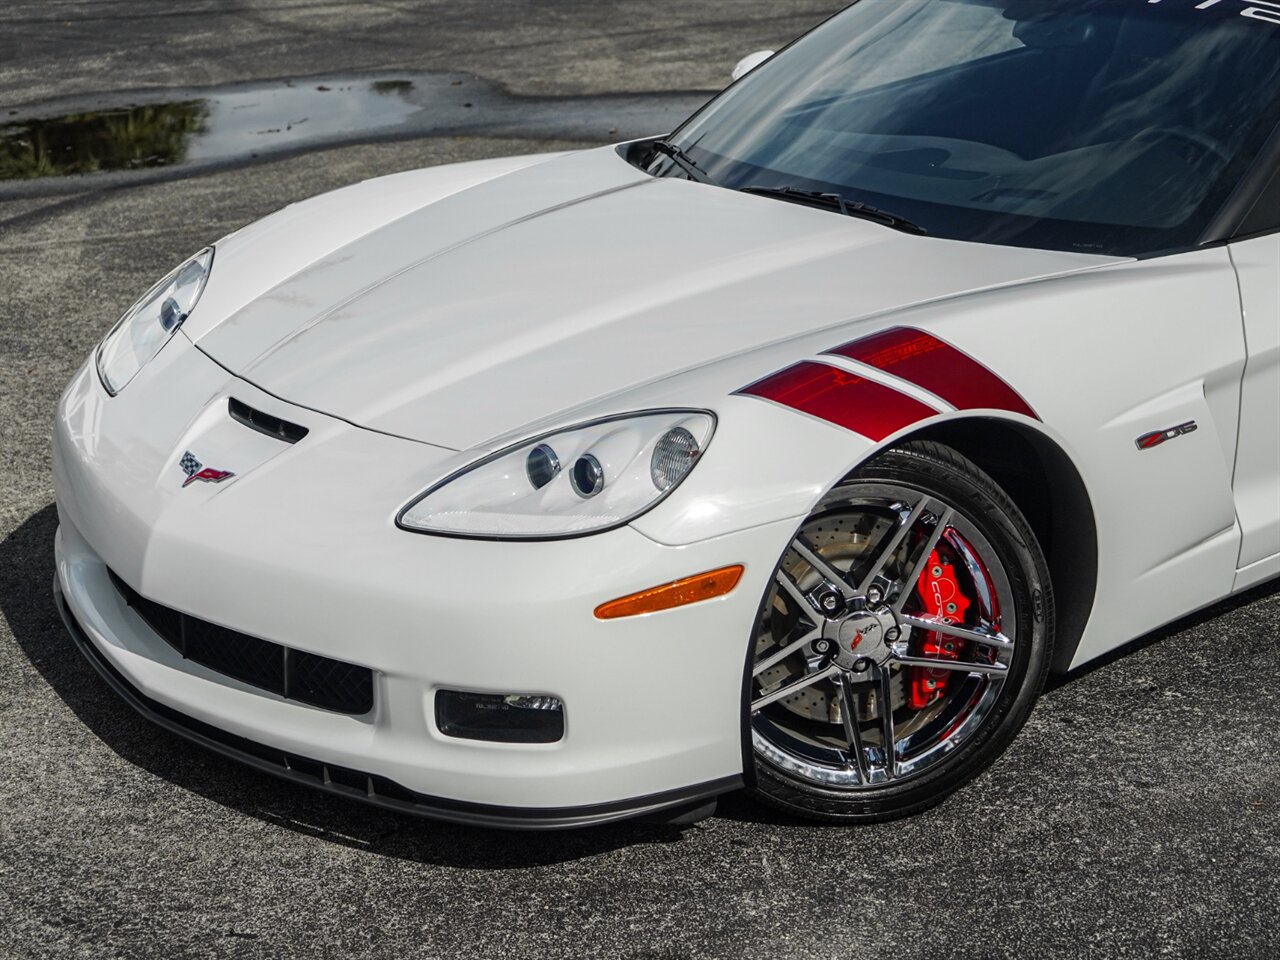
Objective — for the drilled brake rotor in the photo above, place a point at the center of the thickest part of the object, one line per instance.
(846, 542)
(887, 606)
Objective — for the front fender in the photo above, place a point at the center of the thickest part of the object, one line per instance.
(766, 463)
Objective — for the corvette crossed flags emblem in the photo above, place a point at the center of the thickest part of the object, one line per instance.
(195, 470)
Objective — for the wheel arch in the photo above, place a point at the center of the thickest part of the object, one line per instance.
(1041, 479)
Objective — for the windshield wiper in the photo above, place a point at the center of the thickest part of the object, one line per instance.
(684, 162)
(834, 201)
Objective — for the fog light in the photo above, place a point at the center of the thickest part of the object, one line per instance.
(498, 718)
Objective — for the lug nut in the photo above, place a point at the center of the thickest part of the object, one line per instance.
(830, 602)
(822, 646)
(875, 595)
(893, 634)
(862, 666)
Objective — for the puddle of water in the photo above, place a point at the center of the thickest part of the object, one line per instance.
(235, 123)
(156, 135)
(134, 139)
(249, 121)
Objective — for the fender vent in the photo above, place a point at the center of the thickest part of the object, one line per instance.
(265, 422)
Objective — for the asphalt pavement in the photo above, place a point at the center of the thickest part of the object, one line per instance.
(1136, 816)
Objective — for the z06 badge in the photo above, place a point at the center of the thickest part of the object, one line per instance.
(1149, 441)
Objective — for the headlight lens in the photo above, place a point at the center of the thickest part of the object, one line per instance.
(579, 481)
(673, 457)
(149, 323)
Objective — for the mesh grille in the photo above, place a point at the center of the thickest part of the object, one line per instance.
(329, 683)
(293, 674)
(245, 658)
(166, 622)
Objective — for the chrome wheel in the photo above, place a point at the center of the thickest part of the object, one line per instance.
(885, 642)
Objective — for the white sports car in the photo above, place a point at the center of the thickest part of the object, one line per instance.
(790, 451)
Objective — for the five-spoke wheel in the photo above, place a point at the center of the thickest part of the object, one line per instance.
(902, 642)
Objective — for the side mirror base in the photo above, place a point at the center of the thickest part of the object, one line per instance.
(750, 62)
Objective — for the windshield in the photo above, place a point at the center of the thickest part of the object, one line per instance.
(1108, 126)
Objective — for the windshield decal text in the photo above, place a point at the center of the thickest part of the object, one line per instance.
(1264, 10)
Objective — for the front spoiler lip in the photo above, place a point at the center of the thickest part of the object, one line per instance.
(407, 801)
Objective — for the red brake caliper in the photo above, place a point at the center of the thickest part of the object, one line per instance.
(939, 591)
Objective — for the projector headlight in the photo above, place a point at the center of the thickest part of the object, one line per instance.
(579, 481)
(147, 326)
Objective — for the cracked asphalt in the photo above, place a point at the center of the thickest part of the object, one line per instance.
(1136, 816)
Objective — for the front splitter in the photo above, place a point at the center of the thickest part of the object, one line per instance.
(675, 806)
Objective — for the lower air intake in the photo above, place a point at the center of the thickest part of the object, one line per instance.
(295, 675)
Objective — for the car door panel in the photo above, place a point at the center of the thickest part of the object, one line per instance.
(1257, 465)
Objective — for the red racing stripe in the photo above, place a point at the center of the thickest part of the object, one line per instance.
(842, 398)
(938, 367)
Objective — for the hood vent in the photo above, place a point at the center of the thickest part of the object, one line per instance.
(265, 422)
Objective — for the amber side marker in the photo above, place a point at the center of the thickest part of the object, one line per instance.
(705, 586)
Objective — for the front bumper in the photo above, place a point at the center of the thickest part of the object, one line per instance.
(301, 549)
(372, 789)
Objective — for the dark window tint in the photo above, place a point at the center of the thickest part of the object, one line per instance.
(1110, 126)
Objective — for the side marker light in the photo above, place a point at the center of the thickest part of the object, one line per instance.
(704, 586)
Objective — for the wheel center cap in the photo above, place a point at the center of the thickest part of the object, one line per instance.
(863, 635)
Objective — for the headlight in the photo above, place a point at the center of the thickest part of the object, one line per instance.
(578, 481)
(149, 323)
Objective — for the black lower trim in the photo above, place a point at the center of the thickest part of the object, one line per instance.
(376, 790)
(293, 674)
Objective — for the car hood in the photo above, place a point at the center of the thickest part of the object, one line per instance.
(571, 280)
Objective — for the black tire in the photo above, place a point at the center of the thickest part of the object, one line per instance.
(943, 474)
